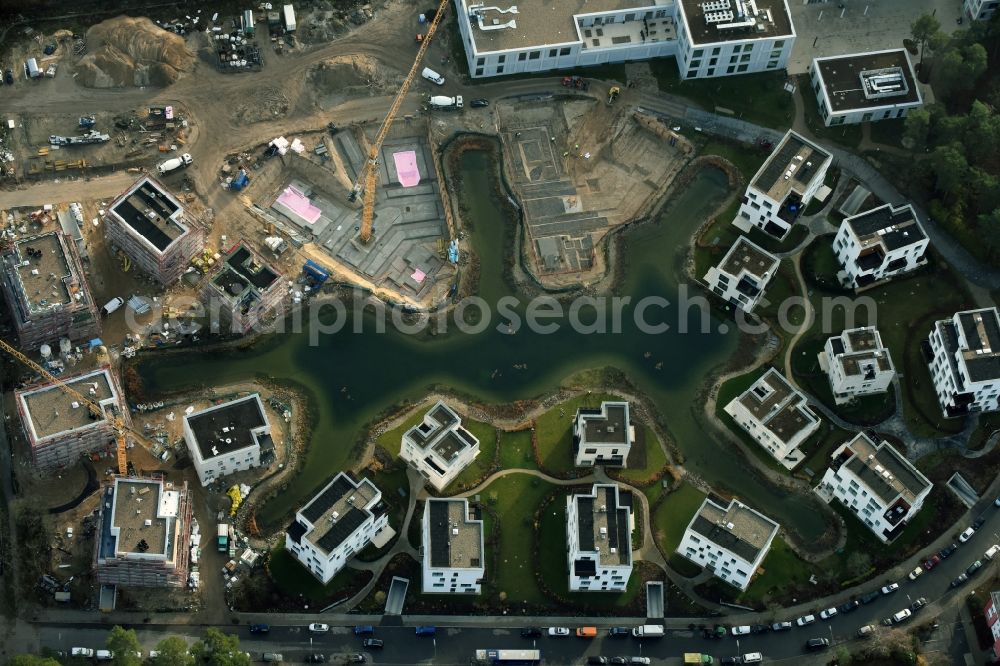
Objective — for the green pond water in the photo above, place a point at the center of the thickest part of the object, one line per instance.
(353, 377)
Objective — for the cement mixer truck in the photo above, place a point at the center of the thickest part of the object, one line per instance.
(445, 103)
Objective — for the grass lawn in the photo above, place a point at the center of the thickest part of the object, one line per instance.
(391, 440)
(744, 157)
(727, 392)
(782, 287)
(647, 451)
(293, 579)
(673, 514)
(820, 446)
(515, 499)
(554, 430)
(515, 450)
(389, 481)
(756, 98)
(480, 467)
(782, 568)
(848, 136)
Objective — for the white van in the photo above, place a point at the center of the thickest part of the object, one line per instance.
(991, 553)
(112, 305)
(432, 76)
(105, 655)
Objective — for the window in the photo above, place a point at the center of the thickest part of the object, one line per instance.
(590, 451)
(772, 64)
(732, 59)
(534, 55)
(710, 72)
(778, 44)
(698, 53)
(564, 51)
(745, 57)
(479, 71)
(500, 69)
(713, 62)
(501, 59)
(480, 61)
(742, 68)
(630, 17)
(695, 63)
(521, 56)
(692, 73)
(552, 53)
(730, 70)
(716, 51)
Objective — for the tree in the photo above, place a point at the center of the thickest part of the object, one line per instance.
(950, 169)
(917, 128)
(219, 649)
(989, 226)
(125, 646)
(843, 656)
(173, 651)
(923, 29)
(31, 660)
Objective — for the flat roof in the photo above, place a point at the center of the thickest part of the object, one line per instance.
(777, 406)
(747, 256)
(868, 80)
(140, 519)
(51, 411)
(886, 473)
(793, 165)
(607, 425)
(538, 23)
(339, 509)
(887, 225)
(857, 348)
(737, 528)
(151, 212)
(44, 272)
(454, 534)
(981, 353)
(735, 20)
(604, 525)
(441, 431)
(221, 429)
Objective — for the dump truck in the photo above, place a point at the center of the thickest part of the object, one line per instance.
(697, 658)
(173, 163)
(443, 102)
(223, 537)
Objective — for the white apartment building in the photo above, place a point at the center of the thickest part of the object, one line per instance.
(864, 87)
(603, 436)
(783, 186)
(335, 525)
(709, 39)
(439, 447)
(743, 274)
(599, 539)
(857, 364)
(776, 416)
(966, 363)
(980, 10)
(730, 541)
(876, 484)
(452, 548)
(878, 245)
(228, 437)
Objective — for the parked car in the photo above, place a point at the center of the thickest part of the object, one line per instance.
(974, 567)
(932, 562)
(479, 103)
(978, 522)
(947, 550)
(890, 588)
(849, 606)
(8, 77)
(759, 628)
(741, 630)
(259, 628)
(781, 626)
(319, 628)
(640, 660)
(960, 580)
(558, 631)
(364, 630)
(272, 657)
(597, 659)
(619, 632)
(618, 660)
(372, 643)
(991, 552)
(870, 597)
(752, 658)
(425, 630)
(827, 614)
(725, 661)
(817, 644)
(865, 630)
(315, 658)
(805, 619)
(918, 604)
(996, 502)
(916, 573)
(356, 658)
(967, 534)
(902, 616)
(535, 632)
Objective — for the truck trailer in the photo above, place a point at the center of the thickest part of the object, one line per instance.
(288, 14)
(223, 537)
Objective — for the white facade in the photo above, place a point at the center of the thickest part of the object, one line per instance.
(966, 363)
(857, 364)
(339, 522)
(227, 438)
(439, 447)
(452, 548)
(533, 36)
(864, 87)
(598, 540)
(879, 244)
(776, 415)
(980, 10)
(783, 186)
(730, 541)
(877, 484)
(603, 436)
(743, 274)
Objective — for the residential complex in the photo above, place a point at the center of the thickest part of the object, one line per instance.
(877, 484)
(864, 87)
(981, 10)
(439, 447)
(743, 274)
(46, 291)
(603, 436)
(878, 245)
(452, 548)
(144, 534)
(244, 291)
(730, 541)
(783, 186)
(992, 613)
(599, 539)
(708, 39)
(776, 415)
(228, 437)
(966, 362)
(335, 525)
(154, 230)
(857, 364)
(60, 429)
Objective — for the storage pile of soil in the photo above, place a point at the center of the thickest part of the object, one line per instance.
(127, 51)
(338, 79)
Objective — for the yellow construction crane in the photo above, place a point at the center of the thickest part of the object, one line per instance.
(117, 423)
(367, 179)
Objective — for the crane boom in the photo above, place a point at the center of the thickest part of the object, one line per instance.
(117, 422)
(368, 178)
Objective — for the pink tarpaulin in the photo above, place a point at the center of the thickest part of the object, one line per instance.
(299, 204)
(418, 276)
(406, 167)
